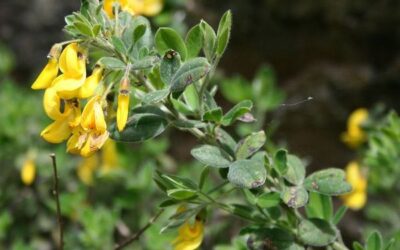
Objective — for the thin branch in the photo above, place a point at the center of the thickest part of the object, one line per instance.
(55, 193)
(136, 236)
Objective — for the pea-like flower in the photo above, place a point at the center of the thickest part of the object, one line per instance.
(135, 7)
(64, 123)
(355, 136)
(28, 171)
(72, 64)
(89, 86)
(190, 235)
(50, 71)
(123, 104)
(358, 196)
(92, 133)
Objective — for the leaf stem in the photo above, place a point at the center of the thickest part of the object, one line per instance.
(137, 235)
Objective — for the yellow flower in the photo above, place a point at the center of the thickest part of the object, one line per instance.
(73, 66)
(190, 235)
(52, 104)
(358, 196)
(355, 136)
(86, 168)
(93, 116)
(123, 104)
(47, 75)
(50, 71)
(73, 60)
(143, 7)
(61, 128)
(91, 83)
(28, 171)
(92, 133)
(93, 143)
(135, 7)
(109, 156)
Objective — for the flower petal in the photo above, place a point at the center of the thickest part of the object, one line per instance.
(47, 75)
(91, 83)
(68, 87)
(57, 132)
(122, 111)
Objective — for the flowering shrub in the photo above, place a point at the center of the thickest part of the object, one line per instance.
(137, 85)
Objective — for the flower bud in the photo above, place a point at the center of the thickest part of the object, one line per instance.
(123, 104)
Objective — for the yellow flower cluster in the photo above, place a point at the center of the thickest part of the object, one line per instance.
(190, 235)
(134, 7)
(358, 196)
(107, 162)
(85, 130)
(355, 136)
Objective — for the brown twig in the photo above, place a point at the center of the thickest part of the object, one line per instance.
(55, 193)
(137, 235)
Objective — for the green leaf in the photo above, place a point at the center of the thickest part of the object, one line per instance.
(374, 241)
(211, 156)
(168, 203)
(170, 64)
(168, 39)
(155, 96)
(267, 200)
(280, 161)
(187, 124)
(180, 106)
(250, 197)
(190, 72)
(96, 29)
(357, 246)
(146, 122)
(181, 194)
(249, 145)
(224, 31)
(209, 40)
(329, 181)
(203, 176)
(236, 89)
(213, 115)
(294, 196)
(237, 111)
(194, 41)
(112, 63)
(320, 206)
(242, 211)
(226, 140)
(316, 232)
(270, 238)
(191, 97)
(295, 170)
(179, 182)
(144, 63)
(119, 45)
(339, 214)
(247, 173)
(138, 32)
(83, 28)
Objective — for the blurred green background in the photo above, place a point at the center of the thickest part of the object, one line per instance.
(344, 54)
